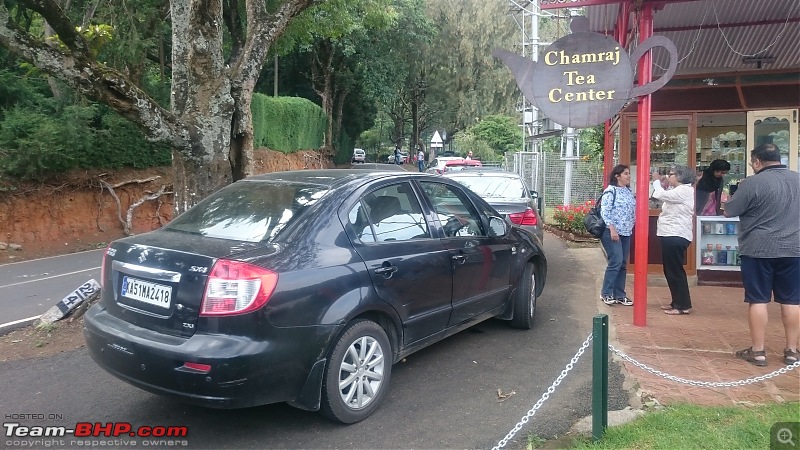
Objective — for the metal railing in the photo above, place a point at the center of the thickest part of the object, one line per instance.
(600, 380)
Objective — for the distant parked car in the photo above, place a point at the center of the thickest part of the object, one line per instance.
(403, 158)
(359, 155)
(437, 165)
(305, 287)
(455, 165)
(507, 193)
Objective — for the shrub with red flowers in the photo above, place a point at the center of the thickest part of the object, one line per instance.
(570, 217)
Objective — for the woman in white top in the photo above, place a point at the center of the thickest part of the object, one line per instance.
(676, 233)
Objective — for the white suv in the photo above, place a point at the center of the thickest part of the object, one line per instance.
(438, 164)
(359, 155)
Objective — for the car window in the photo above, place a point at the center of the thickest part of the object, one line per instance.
(455, 211)
(248, 210)
(494, 187)
(391, 213)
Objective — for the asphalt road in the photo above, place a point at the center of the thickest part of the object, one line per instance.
(29, 288)
(445, 396)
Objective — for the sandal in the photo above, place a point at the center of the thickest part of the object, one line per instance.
(750, 356)
(666, 307)
(790, 356)
(677, 312)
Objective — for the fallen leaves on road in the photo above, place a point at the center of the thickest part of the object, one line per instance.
(501, 396)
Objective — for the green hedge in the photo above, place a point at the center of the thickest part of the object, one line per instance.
(37, 144)
(287, 124)
(39, 139)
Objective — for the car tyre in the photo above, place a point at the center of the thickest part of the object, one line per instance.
(357, 376)
(525, 300)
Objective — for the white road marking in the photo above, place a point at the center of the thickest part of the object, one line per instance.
(48, 257)
(47, 278)
(8, 324)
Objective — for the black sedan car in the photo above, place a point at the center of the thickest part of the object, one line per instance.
(507, 193)
(305, 287)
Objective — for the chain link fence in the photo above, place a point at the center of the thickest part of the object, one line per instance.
(545, 172)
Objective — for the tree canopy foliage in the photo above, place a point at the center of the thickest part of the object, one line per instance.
(75, 74)
(216, 51)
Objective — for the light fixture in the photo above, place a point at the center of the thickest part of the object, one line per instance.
(758, 60)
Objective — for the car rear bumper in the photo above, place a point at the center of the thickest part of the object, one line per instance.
(244, 372)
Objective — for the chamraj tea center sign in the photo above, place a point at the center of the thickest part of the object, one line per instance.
(584, 78)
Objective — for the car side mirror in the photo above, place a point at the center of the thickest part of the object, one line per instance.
(497, 227)
(534, 194)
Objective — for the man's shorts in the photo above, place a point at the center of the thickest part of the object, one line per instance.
(763, 277)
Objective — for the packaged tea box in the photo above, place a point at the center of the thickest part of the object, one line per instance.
(707, 257)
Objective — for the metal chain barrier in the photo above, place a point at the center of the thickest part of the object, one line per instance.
(545, 396)
(642, 366)
(757, 379)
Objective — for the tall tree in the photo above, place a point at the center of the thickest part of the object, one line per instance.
(332, 38)
(209, 123)
(465, 81)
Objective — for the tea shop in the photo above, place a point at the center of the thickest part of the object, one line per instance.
(737, 85)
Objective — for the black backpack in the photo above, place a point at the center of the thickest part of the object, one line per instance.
(594, 221)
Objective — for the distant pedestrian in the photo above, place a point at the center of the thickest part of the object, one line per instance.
(469, 155)
(709, 189)
(768, 206)
(676, 233)
(421, 160)
(398, 159)
(618, 209)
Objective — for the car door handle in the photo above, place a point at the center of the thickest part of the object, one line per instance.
(459, 258)
(386, 269)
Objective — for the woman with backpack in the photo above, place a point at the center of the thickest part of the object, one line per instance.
(618, 210)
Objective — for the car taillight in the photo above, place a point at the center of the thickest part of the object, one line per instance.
(235, 287)
(526, 218)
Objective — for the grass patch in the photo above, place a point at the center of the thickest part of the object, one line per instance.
(45, 327)
(692, 427)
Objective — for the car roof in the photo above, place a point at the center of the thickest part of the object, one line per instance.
(335, 177)
(482, 172)
(449, 158)
(378, 166)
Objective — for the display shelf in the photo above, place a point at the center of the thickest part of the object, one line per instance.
(717, 243)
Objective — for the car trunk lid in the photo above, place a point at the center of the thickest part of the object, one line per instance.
(157, 281)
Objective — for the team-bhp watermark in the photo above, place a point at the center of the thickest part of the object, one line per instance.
(123, 434)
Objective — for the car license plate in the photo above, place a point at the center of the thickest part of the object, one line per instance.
(147, 292)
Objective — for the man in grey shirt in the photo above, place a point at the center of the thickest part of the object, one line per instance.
(768, 206)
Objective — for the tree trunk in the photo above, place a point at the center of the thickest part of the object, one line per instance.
(412, 145)
(241, 152)
(322, 83)
(201, 95)
(340, 98)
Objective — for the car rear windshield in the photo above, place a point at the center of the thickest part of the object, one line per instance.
(251, 211)
(494, 187)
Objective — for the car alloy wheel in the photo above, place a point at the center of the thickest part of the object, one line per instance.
(525, 300)
(357, 378)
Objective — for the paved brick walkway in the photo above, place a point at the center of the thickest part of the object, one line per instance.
(700, 346)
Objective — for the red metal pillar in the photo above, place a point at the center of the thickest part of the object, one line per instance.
(621, 36)
(641, 230)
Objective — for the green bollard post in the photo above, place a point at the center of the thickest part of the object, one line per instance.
(599, 376)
